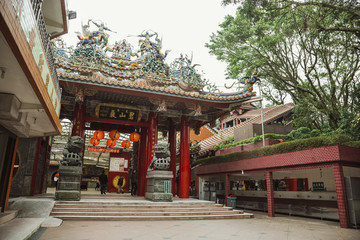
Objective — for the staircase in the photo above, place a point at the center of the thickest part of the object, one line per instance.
(143, 211)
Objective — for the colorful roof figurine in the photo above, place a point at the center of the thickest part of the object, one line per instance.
(93, 60)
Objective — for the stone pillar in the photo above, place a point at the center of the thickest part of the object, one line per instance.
(45, 163)
(270, 194)
(172, 147)
(70, 171)
(142, 166)
(227, 187)
(35, 166)
(341, 196)
(184, 158)
(158, 186)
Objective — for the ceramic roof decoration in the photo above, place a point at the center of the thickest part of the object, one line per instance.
(93, 60)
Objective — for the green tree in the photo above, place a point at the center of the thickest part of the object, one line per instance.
(345, 13)
(317, 68)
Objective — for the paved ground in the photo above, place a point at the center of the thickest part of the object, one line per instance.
(260, 227)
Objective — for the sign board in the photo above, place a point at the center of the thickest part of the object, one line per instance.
(118, 164)
(318, 186)
(28, 22)
(118, 112)
(167, 186)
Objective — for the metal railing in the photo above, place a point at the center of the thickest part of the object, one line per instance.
(45, 38)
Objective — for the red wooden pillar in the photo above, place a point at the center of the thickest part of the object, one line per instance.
(184, 159)
(341, 196)
(79, 123)
(151, 140)
(270, 194)
(227, 186)
(142, 162)
(36, 161)
(172, 147)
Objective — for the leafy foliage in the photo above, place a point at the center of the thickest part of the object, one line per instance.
(306, 49)
(256, 138)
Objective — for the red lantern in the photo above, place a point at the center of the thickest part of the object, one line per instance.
(114, 134)
(125, 144)
(99, 135)
(111, 143)
(134, 137)
(94, 141)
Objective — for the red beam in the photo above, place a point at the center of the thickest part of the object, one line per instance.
(141, 93)
(36, 161)
(117, 122)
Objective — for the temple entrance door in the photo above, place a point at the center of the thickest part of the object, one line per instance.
(118, 166)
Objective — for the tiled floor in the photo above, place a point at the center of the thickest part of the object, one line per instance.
(260, 227)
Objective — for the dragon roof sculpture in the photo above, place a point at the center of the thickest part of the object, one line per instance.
(95, 61)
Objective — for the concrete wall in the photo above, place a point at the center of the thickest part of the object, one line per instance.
(248, 131)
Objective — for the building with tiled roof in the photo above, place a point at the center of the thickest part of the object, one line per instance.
(247, 118)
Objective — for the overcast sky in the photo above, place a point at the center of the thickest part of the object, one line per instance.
(184, 25)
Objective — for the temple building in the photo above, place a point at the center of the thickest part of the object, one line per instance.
(115, 87)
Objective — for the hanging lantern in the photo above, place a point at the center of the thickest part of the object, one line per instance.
(111, 143)
(134, 137)
(99, 135)
(114, 134)
(125, 144)
(94, 141)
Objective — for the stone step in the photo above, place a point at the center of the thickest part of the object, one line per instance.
(122, 205)
(139, 209)
(8, 216)
(153, 218)
(137, 203)
(55, 214)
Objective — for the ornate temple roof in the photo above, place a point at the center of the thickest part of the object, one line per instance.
(120, 74)
(94, 61)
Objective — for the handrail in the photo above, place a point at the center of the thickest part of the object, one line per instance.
(45, 38)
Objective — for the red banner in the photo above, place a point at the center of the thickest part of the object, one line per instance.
(110, 150)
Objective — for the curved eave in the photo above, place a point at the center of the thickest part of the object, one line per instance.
(220, 103)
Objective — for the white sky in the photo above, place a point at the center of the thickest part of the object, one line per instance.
(184, 25)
